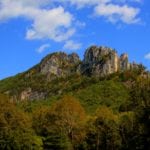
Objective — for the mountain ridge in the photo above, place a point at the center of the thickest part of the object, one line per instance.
(40, 81)
(99, 61)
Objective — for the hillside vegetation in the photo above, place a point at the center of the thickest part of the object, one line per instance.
(80, 113)
(54, 106)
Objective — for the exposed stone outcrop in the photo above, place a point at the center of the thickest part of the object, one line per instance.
(98, 61)
(134, 65)
(101, 61)
(124, 62)
(59, 64)
(28, 94)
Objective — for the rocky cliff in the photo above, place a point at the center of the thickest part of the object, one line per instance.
(102, 61)
(98, 61)
(59, 65)
(37, 82)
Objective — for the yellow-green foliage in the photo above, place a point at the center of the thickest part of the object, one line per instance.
(16, 128)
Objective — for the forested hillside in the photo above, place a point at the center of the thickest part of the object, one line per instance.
(75, 111)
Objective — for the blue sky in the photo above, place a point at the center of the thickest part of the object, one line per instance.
(30, 29)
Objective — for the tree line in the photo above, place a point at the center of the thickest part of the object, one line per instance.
(66, 126)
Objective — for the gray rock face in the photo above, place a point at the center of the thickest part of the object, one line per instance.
(74, 58)
(28, 94)
(134, 65)
(59, 64)
(100, 61)
(124, 63)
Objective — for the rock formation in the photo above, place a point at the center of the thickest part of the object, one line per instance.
(102, 61)
(98, 62)
(124, 63)
(31, 95)
(59, 64)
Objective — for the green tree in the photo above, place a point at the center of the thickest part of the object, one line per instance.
(140, 100)
(44, 123)
(49, 128)
(16, 128)
(127, 126)
(103, 132)
(70, 117)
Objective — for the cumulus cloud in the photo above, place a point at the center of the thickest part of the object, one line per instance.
(71, 45)
(53, 23)
(43, 48)
(115, 13)
(112, 10)
(52, 20)
(147, 56)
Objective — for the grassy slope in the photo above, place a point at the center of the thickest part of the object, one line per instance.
(92, 92)
(109, 93)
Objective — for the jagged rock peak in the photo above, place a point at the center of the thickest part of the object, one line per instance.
(59, 64)
(94, 53)
(74, 58)
(100, 61)
(124, 62)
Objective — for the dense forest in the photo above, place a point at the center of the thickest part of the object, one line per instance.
(109, 113)
(74, 75)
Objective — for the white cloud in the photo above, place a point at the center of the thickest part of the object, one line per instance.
(71, 45)
(147, 56)
(54, 23)
(112, 10)
(115, 13)
(43, 48)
